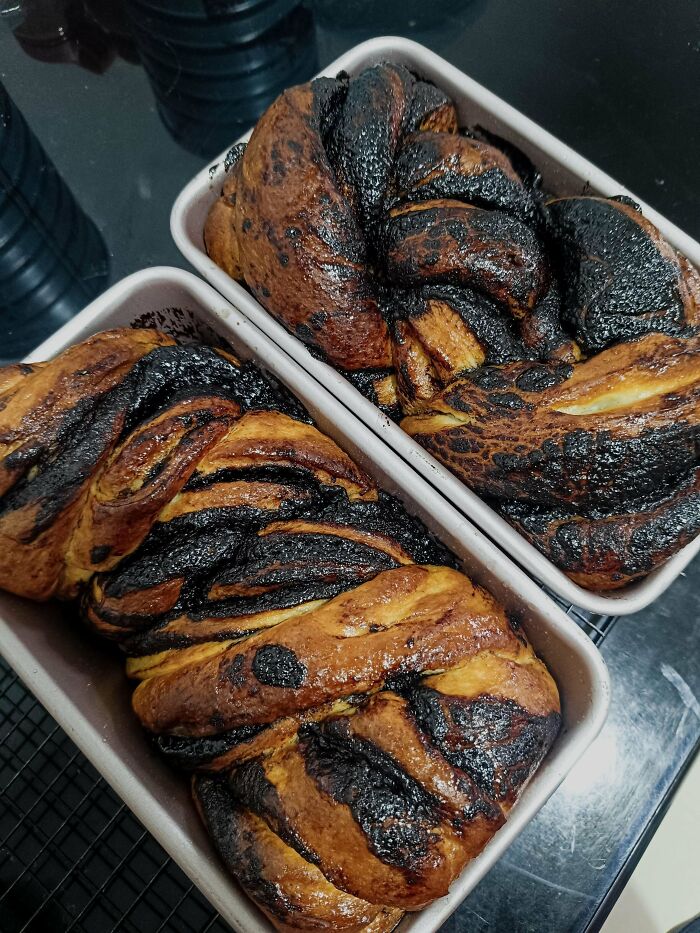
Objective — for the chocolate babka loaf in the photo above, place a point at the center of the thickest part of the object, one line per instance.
(428, 266)
(357, 715)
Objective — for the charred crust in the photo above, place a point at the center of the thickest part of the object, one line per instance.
(620, 545)
(251, 789)
(234, 672)
(237, 847)
(495, 741)
(221, 547)
(100, 553)
(396, 814)
(365, 381)
(611, 269)
(154, 383)
(523, 165)
(188, 753)
(278, 666)
(233, 156)
(487, 378)
(509, 400)
(417, 212)
(387, 516)
(539, 377)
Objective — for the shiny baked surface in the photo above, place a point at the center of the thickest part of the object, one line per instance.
(414, 257)
(358, 715)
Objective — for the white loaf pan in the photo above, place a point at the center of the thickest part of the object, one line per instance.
(83, 685)
(564, 172)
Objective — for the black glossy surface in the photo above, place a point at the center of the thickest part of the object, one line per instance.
(618, 82)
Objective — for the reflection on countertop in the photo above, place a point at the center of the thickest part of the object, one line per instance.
(213, 65)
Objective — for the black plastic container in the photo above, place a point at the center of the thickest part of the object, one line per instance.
(215, 65)
(53, 260)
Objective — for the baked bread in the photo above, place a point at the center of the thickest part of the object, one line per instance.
(427, 265)
(358, 715)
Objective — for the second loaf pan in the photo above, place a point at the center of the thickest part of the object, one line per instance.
(83, 685)
(564, 172)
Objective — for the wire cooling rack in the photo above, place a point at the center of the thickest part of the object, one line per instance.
(597, 627)
(73, 858)
(72, 855)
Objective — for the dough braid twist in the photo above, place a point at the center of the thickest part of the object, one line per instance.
(427, 265)
(359, 716)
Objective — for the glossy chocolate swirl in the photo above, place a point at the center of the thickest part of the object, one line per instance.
(418, 259)
(358, 716)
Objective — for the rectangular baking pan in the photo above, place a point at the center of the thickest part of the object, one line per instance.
(564, 172)
(83, 685)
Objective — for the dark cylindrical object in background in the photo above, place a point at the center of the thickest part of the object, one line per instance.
(53, 260)
(215, 65)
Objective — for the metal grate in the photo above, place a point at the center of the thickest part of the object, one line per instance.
(73, 858)
(597, 627)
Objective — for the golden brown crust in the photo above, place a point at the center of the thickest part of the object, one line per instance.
(288, 886)
(620, 429)
(271, 438)
(451, 344)
(340, 845)
(333, 790)
(32, 412)
(220, 238)
(416, 618)
(690, 290)
(447, 234)
(314, 238)
(360, 715)
(523, 443)
(123, 501)
(417, 376)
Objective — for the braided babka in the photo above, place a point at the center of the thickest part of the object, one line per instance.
(427, 265)
(357, 715)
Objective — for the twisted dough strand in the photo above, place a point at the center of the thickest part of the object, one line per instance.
(358, 715)
(427, 265)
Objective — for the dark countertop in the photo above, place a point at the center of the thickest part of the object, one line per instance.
(585, 841)
(619, 83)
